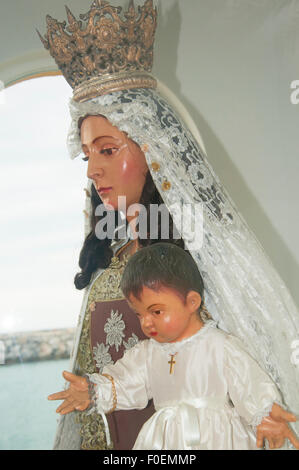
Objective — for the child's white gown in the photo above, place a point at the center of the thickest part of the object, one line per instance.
(214, 397)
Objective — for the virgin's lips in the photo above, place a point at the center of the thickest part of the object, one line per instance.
(104, 190)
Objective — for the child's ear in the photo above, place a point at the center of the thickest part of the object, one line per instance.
(193, 300)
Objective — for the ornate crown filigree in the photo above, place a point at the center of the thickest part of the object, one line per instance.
(104, 52)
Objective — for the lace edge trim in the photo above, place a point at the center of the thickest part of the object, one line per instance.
(260, 415)
(170, 347)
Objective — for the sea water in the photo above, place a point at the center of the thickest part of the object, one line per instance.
(27, 419)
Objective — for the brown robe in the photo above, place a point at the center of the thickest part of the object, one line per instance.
(109, 328)
(124, 426)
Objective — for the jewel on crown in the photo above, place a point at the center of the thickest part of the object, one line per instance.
(95, 52)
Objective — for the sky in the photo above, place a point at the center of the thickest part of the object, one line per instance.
(41, 205)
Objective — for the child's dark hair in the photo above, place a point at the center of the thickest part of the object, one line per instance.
(163, 265)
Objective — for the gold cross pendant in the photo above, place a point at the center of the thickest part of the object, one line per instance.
(172, 362)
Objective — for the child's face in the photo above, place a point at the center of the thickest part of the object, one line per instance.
(164, 316)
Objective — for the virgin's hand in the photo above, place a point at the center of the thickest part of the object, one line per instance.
(76, 397)
(275, 429)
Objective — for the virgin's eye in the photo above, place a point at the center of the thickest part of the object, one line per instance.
(108, 151)
(86, 155)
(157, 312)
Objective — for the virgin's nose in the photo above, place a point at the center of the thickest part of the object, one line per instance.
(94, 169)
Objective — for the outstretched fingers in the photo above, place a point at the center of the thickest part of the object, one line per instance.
(83, 406)
(293, 439)
(76, 381)
(64, 394)
(66, 407)
(259, 439)
(278, 413)
(69, 376)
(59, 395)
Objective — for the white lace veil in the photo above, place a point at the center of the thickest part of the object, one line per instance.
(243, 292)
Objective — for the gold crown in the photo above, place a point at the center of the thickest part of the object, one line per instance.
(103, 52)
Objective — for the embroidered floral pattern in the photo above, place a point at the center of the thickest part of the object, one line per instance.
(105, 287)
(102, 356)
(114, 330)
(131, 342)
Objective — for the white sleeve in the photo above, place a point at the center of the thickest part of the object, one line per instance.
(250, 389)
(130, 378)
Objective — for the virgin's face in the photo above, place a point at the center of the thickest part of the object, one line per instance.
(116, 164)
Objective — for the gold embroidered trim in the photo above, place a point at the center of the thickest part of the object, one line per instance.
(105, 288)
(113, 393)
(92, 432)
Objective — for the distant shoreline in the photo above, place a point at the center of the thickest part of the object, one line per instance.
(36, 346)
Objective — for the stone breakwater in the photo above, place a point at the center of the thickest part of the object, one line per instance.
(36, 346)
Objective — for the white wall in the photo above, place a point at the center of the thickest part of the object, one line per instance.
(231, 62)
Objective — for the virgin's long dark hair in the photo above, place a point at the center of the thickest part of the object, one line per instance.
(97, 253)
